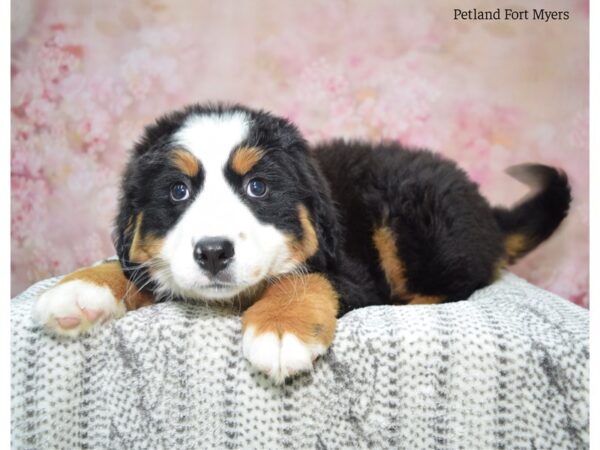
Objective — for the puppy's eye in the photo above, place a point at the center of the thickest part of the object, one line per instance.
(179, 192)
(256, 188)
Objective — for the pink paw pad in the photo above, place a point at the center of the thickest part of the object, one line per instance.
(68, 322)
(91, 314)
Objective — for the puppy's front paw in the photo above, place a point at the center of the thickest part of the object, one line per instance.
(279, 356)
(290, 325)
(73, 307)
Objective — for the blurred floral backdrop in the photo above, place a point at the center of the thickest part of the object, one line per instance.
(87, 75)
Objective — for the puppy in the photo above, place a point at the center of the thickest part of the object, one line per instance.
(222, 203)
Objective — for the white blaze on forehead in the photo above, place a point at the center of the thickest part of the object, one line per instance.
(212, 137)
(211, 140)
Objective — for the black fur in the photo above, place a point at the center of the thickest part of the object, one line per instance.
(542, 212)
(448, 236)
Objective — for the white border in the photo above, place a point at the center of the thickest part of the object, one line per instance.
(5, 228)
(594, 225)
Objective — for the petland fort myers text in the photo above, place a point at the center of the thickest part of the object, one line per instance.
(543, 15)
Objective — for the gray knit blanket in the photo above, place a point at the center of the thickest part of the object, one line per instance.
(506, 369)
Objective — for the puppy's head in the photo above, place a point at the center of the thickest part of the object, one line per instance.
(217, 200)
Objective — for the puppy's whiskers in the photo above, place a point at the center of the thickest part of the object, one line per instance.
(139, 271)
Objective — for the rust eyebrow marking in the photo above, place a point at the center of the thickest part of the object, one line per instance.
(186, 162)
(245, 158)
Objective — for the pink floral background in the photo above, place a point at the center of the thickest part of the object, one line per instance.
(87, 75)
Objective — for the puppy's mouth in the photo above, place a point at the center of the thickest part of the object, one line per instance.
(222, 280)
(218, 290)
(219, 285)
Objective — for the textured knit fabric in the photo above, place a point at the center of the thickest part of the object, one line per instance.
(506, 369)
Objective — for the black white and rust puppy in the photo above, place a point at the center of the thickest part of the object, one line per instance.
(226, 203)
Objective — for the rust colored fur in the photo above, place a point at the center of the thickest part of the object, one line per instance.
(245, 158)
(111, 274)
(307, 246)
(395, 271)
(305, 305)
(515, 245)
(143, 248)
(186, 162)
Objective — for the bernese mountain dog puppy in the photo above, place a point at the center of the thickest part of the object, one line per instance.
(226, 203)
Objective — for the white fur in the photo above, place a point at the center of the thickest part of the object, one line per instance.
(260, 248)
(279, 357)
(68, 299)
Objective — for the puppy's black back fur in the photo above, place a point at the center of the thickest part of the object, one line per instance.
(444, 239)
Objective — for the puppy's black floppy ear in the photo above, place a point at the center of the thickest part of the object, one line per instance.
(122, 235)
(125, 222)
(323, 214)
(314, 192)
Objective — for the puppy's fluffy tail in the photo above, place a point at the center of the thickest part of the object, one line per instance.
(531, 221)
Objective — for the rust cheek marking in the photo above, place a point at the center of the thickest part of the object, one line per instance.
(395, 271)
(245, 158)
(305, 305)
(143, 248)
(111, 275)
(186, 162)
(301, 250)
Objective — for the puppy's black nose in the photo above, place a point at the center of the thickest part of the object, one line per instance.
(213, 254)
